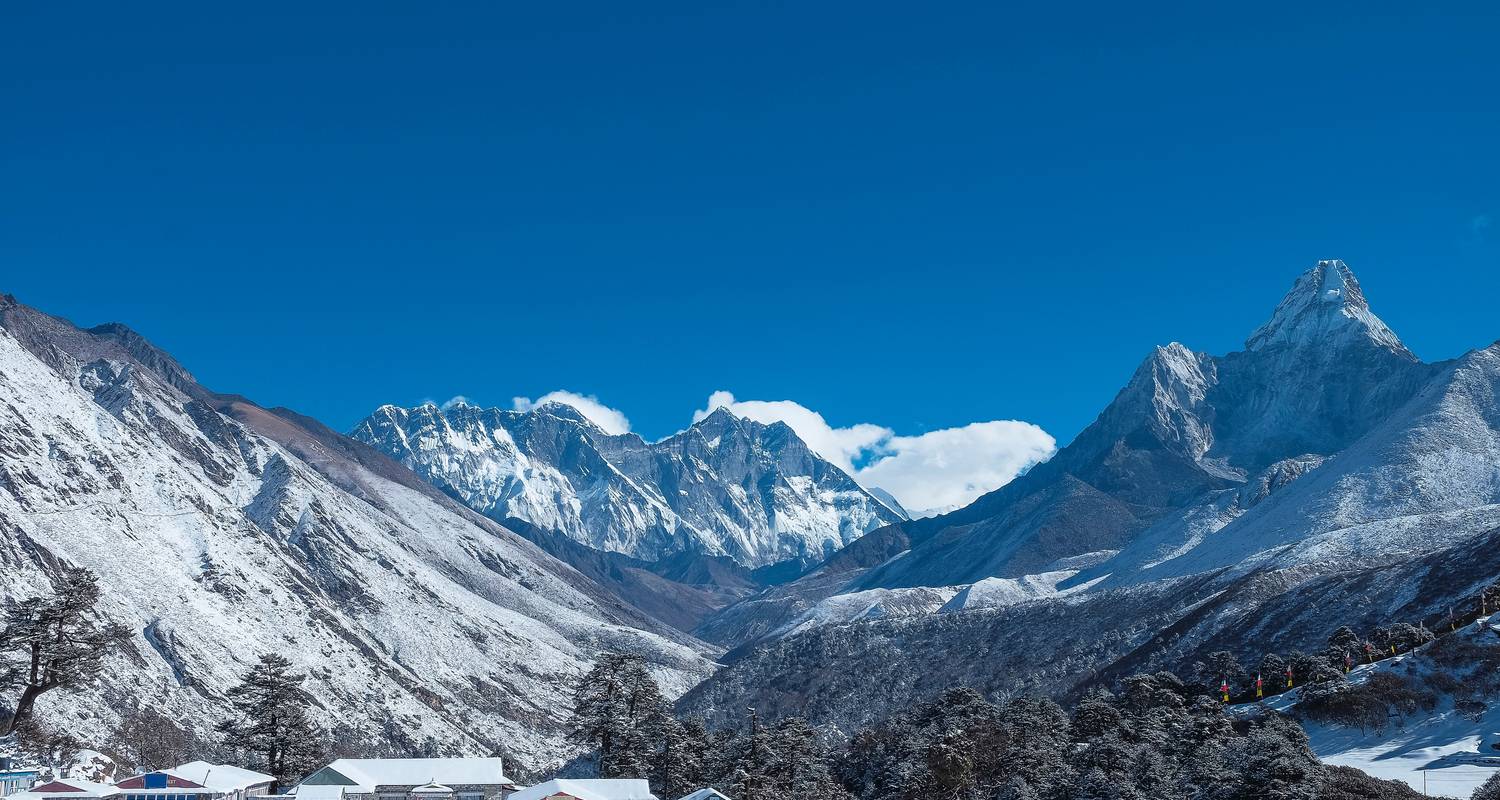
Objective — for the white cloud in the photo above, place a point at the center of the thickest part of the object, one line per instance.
(952, 467)
(932, 472)
(610, 420)
(842, 446)
(455, 400)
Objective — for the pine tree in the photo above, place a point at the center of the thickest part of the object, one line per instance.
(1345, 643)
(619, 711)
(1273, 671)
(752, 767)
(1036, 735)
(271, 722)
(1223, 666)
(55, 642)
(1273, 762)
(799, 766)
(677, 765)
(1095, 715)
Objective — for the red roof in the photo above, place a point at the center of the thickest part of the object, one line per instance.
(173, 782)
(55, 786)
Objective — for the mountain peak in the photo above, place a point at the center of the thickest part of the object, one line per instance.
(564, 411)
(718, 420)
(1325, 308)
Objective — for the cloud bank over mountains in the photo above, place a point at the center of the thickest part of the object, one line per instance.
(608, 419)
(928, 473)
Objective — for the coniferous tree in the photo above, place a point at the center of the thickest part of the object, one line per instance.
(752, 767)
(271, 722)
(1095, 715)
(1345, 646)
(800, 763)
(1223, 666)
(679, 763)
(619, 712)
(1273, 671)
(1272, 762)
(1017, 789)
(54, 642)
(1036, 742)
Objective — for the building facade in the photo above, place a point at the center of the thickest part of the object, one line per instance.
(408, 779)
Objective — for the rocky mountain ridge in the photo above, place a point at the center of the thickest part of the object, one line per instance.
(726, 486)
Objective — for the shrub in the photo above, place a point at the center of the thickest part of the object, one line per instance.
(1347, 783)
(1470, 709)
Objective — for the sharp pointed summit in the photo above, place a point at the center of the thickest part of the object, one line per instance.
(1325, 308)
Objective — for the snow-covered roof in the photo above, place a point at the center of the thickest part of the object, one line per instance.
(373, 772)
(706, 794)
(220, 777)
(321, 791)
(594, 789)
(65, 787)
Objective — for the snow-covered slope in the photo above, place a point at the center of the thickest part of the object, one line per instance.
(1442, 751)
(725, 486)
(1319, 375)
(1258, 500)
(221, 531)
(1426, 477)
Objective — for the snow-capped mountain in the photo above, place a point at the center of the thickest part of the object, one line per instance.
(1249, 502)
(725, 486)
(221, 531)
(1322, 372)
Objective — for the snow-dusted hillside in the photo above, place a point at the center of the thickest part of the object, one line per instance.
(1251, 502)
(725, 486)
(1319, 375)
(221, 531)
(1443, 751)
(1426, 477)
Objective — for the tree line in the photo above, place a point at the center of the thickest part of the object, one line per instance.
(1156, 738)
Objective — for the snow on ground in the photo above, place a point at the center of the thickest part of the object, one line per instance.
(1442, 752)
(999, 592)
(842, 609)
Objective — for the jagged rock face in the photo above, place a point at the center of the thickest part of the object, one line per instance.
(725, 486)
(1321, 373)
(221, 532)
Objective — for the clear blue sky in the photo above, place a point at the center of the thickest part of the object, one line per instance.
(918, 215)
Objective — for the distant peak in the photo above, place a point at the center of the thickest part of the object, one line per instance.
(719, 417)
(1325, 307)
(562, 411)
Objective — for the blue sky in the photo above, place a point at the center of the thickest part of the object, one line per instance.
(916, 216)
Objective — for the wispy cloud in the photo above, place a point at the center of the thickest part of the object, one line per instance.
(610, 420)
